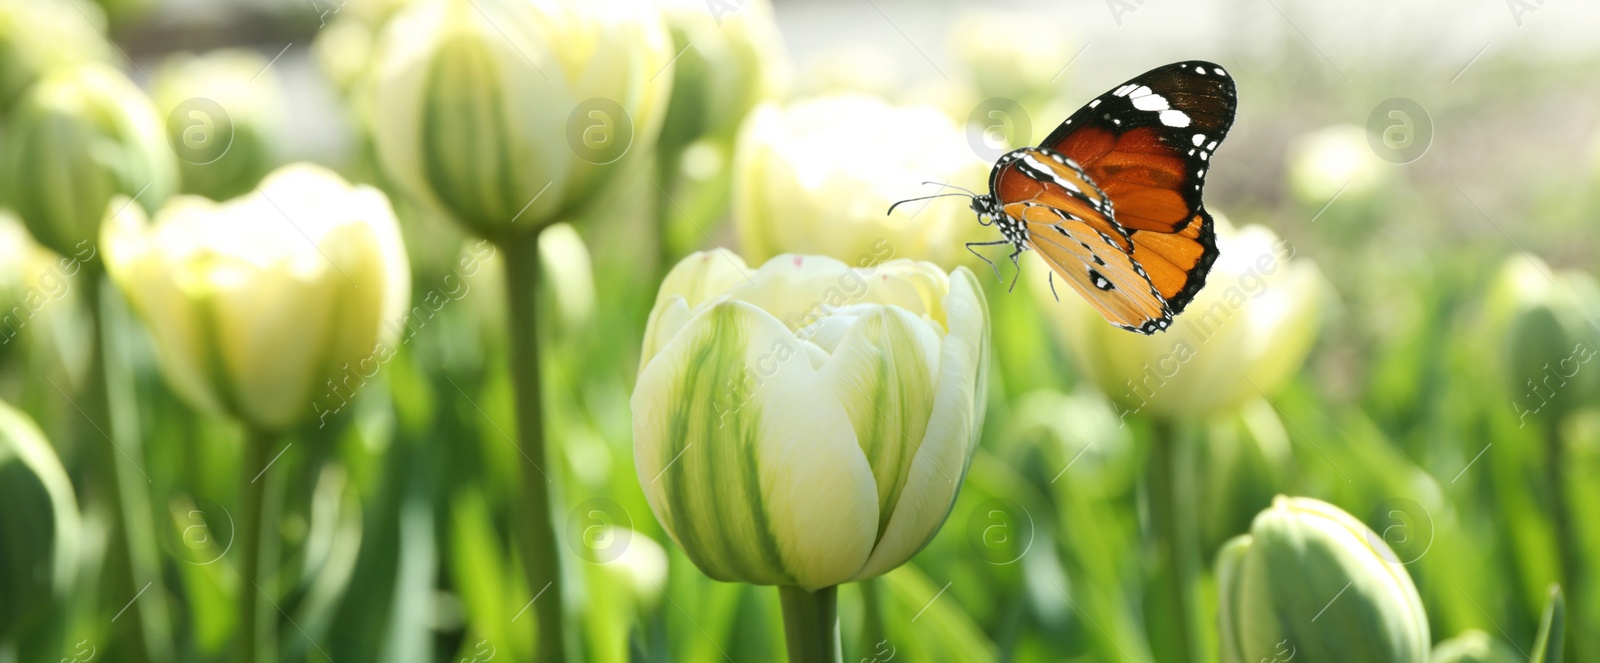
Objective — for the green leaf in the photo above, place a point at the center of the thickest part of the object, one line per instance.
(1552, 628)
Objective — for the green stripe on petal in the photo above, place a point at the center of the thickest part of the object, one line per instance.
(745, 458)
(941, 461)
(464, 163)
(883, 371)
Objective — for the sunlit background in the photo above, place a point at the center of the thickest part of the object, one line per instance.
(1401, 325)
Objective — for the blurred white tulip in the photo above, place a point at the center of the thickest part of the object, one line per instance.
(1334, 161)
(1246, 333)
(271, 307)
(39, 35)
(79, 137)
(224, 113)
(819, 176)
(508, 115)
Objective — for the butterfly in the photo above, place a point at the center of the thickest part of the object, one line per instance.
(1111, 199)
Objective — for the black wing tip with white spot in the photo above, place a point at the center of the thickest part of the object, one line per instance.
(1150, 327)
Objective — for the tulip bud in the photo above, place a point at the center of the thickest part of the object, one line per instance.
(272, 306)
(818, 177)
(342, 51)
(508, 115)
(1312, 584)
(807, 424)
(1473, 647)
(728, 64)
(1250, 328)
(79, 137)
(1546, 338)
(1334, 161)
(41, 313)
(39, 534)
(17, 251)
(1021, 70)
(39, 35)
(223, 112)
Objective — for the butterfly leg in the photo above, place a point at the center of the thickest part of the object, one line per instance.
(1018, 273)
(980, 255)
(1053, 286)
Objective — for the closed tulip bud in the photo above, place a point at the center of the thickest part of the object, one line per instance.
(818, 177)
(1540, 321)
(39, 536)
(1312, 584)
(1016, 69)
(1334, 161)
(42, 312)
(79, 137)
(342, 50)
(1248, 330)
(728, 64)
(508, 115)
(272, 306)
(222, 113)
(39, 35)
(17, 251)
(807, 423)
(1474, 647)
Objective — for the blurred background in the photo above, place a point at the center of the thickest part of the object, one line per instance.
(1417, 354)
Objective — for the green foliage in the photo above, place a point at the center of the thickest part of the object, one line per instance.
(393, 525)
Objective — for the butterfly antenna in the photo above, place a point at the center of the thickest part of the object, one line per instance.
(909, 200)
(952, 186)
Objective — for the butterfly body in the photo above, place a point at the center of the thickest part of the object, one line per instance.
(1111, 200)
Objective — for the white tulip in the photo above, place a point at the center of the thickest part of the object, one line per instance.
(808, 423)
(1249, 329)
(818, 177)
(508, 115)
(262, 305)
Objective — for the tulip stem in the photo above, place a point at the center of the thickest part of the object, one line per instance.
(122, 495)
(1168, 496)
(811, 624)
(252, 497)
(541, 557)
(1567, 547)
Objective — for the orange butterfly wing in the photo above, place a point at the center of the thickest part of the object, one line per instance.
(1147, 144)
(1068, 223)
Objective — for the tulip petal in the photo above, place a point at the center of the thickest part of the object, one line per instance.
(884, 372)
(136, 265)
(747, 459)
(695, 280)
(255, 315)
(942, 459)
(1229, 558)
(801, 290)
(1304, 552)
